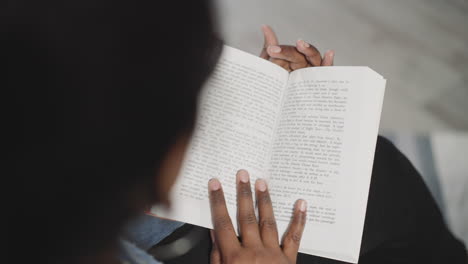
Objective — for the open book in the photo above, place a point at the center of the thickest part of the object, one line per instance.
(310, 133)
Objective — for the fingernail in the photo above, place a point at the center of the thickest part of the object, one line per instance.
(243, 176)
(302, 205)
(261, 185)
(303, 43)
(331, 53)
(214, 184)
(274, 49)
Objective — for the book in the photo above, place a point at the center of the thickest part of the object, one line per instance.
(311, 134)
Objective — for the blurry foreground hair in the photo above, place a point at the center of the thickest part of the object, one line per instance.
(100, 91)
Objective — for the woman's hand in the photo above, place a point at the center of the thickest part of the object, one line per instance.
(293, 57)
(258, 241)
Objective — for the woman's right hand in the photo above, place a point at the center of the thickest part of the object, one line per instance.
(293, 57)
(258, 241)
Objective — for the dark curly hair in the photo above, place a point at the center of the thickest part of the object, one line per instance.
(100, 90)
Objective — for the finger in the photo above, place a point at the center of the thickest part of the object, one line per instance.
(268, 229)
(310, 52)
(245, 211)
(224, 231)
(270, 36)
(288, 53)
(328, 58)
(215, 257)
(292, 238)
(282, 63)
(269, 39)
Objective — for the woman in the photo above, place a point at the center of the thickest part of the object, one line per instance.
(104, 103)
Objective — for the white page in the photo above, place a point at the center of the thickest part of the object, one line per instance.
(238, 111)
(323, 153)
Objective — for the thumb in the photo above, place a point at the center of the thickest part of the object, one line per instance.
(270, 39)
(215, 257)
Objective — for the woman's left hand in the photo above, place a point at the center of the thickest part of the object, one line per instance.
(293, 57)
(259, 242)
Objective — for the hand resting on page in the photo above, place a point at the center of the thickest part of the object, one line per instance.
(259, 239)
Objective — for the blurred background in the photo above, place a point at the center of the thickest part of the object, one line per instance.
(419, 46)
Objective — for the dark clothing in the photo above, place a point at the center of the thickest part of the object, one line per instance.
(403, 223)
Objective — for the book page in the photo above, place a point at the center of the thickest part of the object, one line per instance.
(238, 111)
(323, 153)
